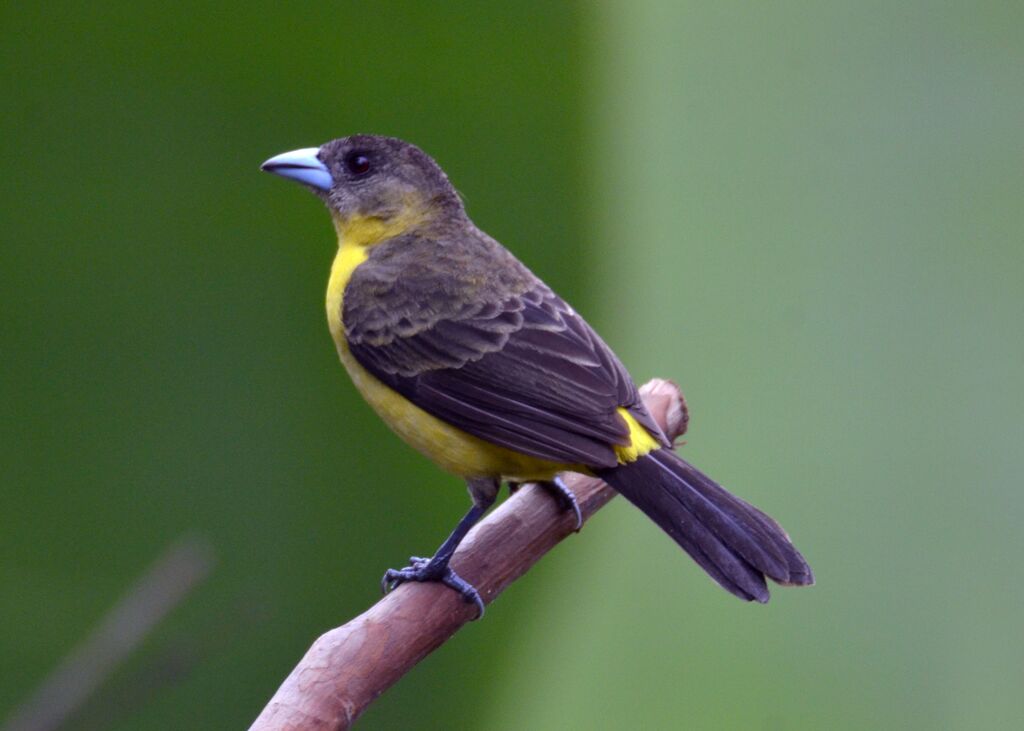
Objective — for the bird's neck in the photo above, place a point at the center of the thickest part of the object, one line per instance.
(365, 231)
(409, 217)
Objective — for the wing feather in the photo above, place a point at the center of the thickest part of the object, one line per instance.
(507, 361)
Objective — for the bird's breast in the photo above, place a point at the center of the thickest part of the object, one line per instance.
(345, 262)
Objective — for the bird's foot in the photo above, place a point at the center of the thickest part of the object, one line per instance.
(425, 569)
(565, 498)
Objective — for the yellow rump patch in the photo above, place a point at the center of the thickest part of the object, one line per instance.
(640, 440)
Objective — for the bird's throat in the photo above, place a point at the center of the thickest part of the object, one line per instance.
(363, 231)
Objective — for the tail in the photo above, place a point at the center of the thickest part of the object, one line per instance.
(733, 541)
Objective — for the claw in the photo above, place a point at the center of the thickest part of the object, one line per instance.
(421, 569)
(565, 498)
(467, 590)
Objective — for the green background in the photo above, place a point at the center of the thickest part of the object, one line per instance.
(808, 214)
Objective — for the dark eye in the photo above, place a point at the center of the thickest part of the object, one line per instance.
(357, 163)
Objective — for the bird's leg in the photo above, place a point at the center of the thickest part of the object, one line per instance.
(436, 568)
(561, 493)
(557, 487)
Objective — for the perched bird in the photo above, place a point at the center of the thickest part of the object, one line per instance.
(476, 363)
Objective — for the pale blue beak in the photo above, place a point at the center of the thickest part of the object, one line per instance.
(301, 165)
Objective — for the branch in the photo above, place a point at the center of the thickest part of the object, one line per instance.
(349, 666)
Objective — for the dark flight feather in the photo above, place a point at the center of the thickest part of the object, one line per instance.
(733, 541)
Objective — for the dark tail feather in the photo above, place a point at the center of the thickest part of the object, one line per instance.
(733, 541)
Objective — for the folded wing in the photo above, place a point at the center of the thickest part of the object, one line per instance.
(510, 363)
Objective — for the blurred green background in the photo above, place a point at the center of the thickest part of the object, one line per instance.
(808, 214)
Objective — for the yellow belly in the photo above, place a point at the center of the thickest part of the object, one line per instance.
(450, 448)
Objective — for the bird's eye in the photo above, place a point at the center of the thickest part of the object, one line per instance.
(357, 163)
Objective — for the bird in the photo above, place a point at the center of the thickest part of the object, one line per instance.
(478, 364)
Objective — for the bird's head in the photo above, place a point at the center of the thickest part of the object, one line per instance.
(375, 187)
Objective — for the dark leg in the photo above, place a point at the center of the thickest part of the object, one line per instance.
(437, 568)
(561, 493)
(566, 499)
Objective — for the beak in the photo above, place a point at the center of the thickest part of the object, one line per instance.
(301, 165)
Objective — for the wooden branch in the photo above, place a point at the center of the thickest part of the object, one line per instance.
(349, 666)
